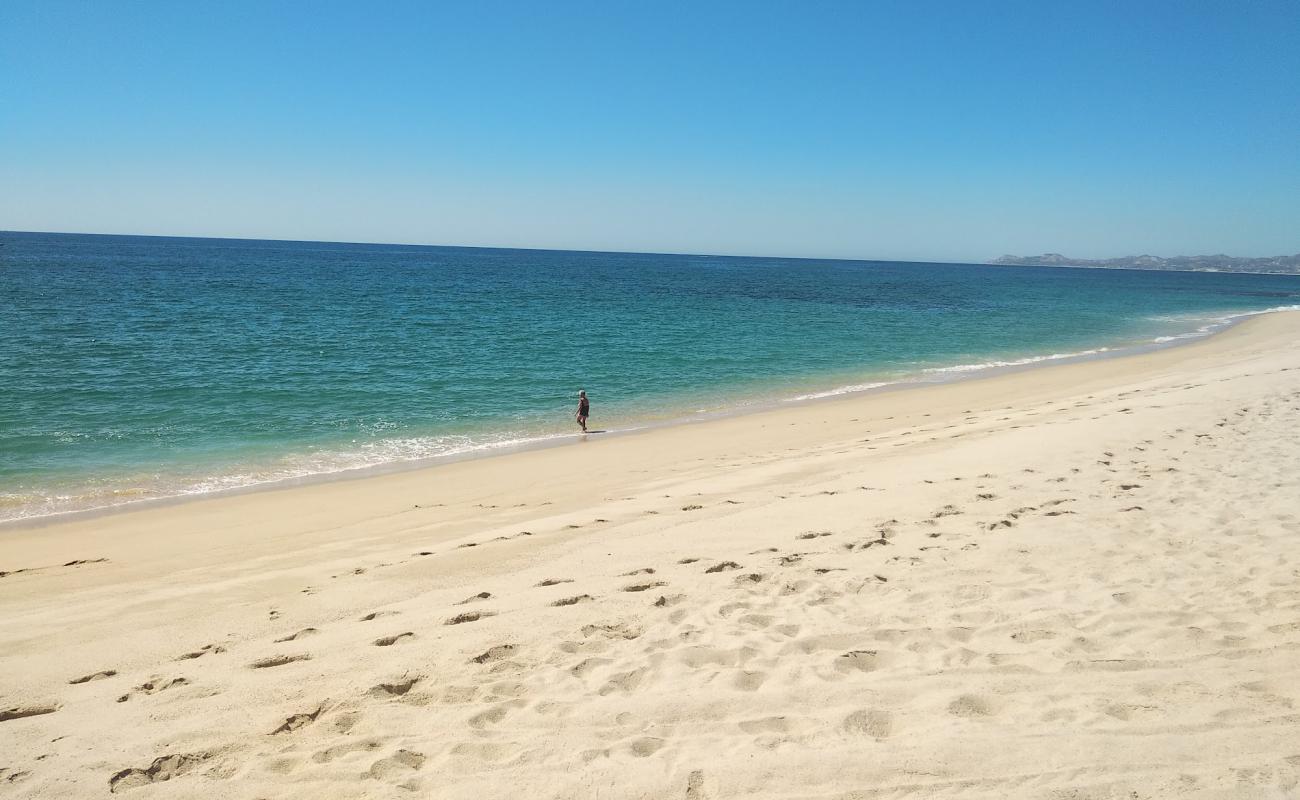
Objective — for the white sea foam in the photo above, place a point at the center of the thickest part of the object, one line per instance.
(301, 466)
(850, 389)
(1017, 362)
(1219, 319)
(1211, 324)
(1208, 326)
(370, 455)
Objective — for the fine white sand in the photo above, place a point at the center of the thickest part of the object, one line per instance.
(1077, 581)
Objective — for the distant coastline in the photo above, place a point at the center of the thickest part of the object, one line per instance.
(1273, 265)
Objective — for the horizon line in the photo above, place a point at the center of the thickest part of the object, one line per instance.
(988, 263)
(498, 247)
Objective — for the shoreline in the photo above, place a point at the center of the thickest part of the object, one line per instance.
(915, 380)
(381, 480)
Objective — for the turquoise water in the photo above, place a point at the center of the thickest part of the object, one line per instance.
(143, 367)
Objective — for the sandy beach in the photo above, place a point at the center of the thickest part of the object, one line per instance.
(1075, 581)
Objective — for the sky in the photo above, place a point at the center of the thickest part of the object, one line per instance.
(942, 131)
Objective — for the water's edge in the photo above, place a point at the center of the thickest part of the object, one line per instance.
(926, 377)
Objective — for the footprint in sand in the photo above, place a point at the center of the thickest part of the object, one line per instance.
(866, 545)
(469, 616)
(624, 682)
(330, 753)
(641, 587)
(747, 681)
(552, 582)
(571, 601)
(492, 716)
(202, 651)
(94, 676)
(278, 661)
(484, 751)
(296, 721)
(388, 641)
(695, 785)
(584, 667)
(475, 598)
(12, 776)
(971, 705)
(646, 746)
(396, 687)
(163, 768)
(495, 653)
(300, 634)
(858, 661)
(877, 723)
(721, 566)
(618, 630)
(21, 712)
(154, 686)
(81, 561)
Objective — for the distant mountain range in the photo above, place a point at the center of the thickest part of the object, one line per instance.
(1284, 265)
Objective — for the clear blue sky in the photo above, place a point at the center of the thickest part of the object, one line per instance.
(912, 130)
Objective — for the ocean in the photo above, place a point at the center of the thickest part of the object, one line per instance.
(135, 368)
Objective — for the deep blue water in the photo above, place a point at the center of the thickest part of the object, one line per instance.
(138, 367)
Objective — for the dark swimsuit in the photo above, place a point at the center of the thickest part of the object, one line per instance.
(583, 408)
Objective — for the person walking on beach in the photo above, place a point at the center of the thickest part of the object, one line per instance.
(583, 408)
